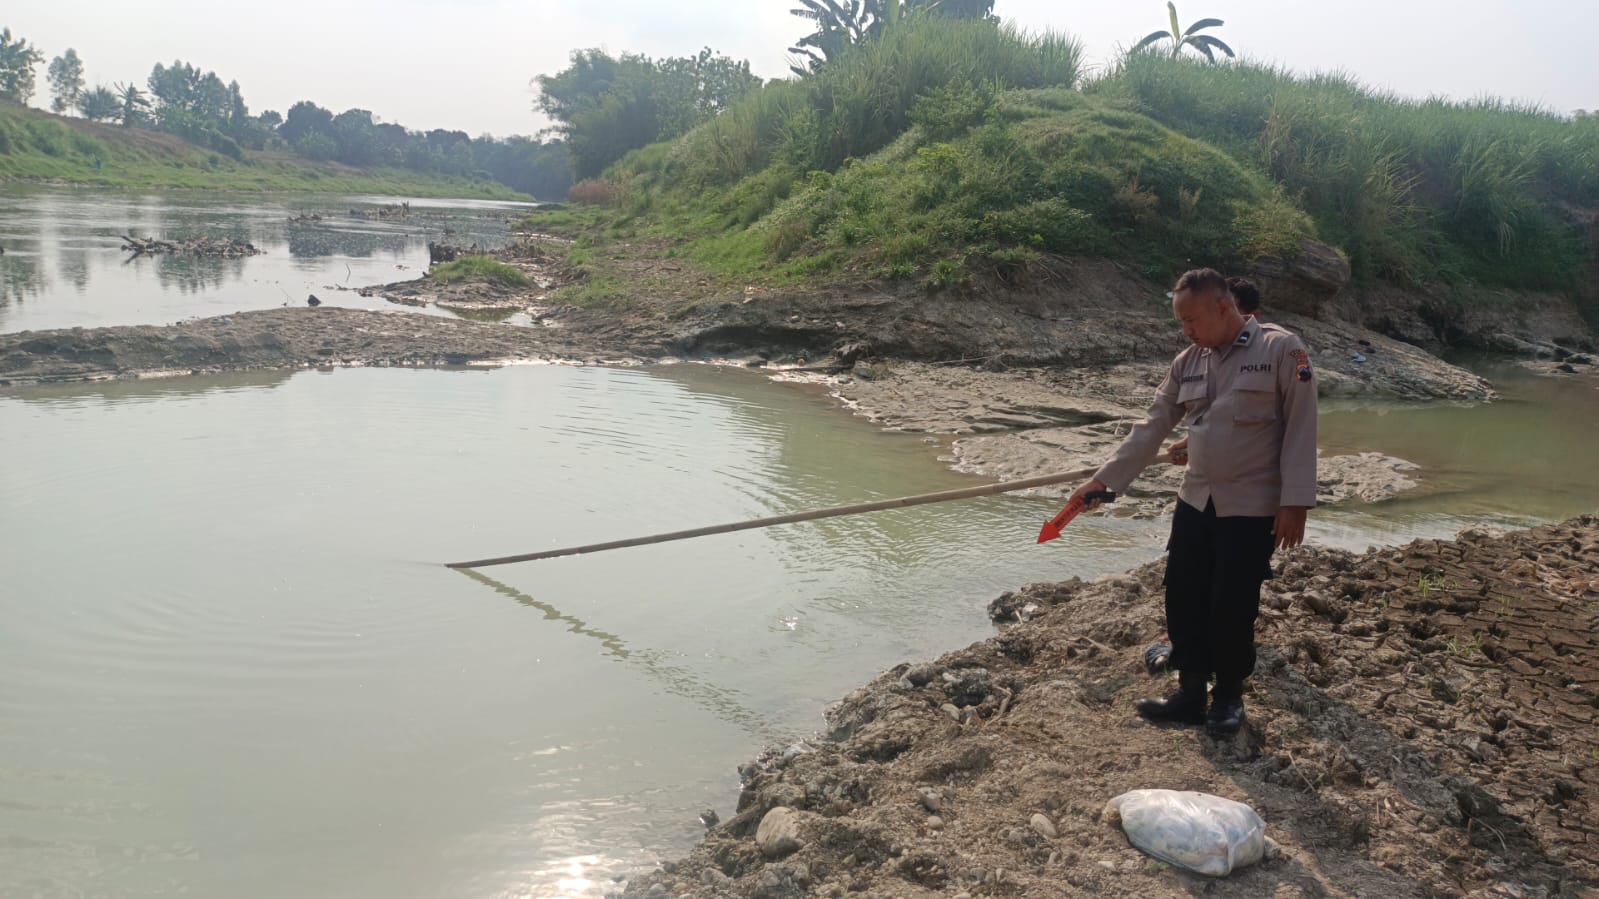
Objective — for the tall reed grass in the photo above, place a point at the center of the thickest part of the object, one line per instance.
(1413, 190)
(861, 101)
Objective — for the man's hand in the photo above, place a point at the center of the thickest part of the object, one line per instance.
(1179, 452)
(1093, 486)
(1290, 526)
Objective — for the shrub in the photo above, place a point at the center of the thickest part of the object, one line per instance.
(479, 268)
(594, 192)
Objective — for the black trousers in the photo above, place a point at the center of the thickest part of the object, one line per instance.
(1214, 569)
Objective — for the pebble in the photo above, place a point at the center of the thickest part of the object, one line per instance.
(715, 878)
(1044, 826)
(932, 800)
(935, 823)
(778, 833)
(949, 709)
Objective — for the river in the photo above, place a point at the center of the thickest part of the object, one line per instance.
(234, 665)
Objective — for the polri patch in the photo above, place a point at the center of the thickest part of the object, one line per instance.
(1301, 365)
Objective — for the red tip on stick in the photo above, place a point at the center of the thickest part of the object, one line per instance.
(1054, 526)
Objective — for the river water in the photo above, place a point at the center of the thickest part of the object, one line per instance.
(233, 665)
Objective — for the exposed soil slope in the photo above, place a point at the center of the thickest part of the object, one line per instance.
(1422, 723)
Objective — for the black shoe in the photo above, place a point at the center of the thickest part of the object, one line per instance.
(1182, 707)
(1226, 716)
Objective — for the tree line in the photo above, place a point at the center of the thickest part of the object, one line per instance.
(606, 106)
(198, 106)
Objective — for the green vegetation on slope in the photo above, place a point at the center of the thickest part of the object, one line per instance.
(479, 268)
(949, 148)
(1412, 190)
(39, 146)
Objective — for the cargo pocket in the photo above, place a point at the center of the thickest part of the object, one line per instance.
(1255, 399)
(1194, 399)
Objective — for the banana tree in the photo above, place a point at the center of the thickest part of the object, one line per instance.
(1204, 43)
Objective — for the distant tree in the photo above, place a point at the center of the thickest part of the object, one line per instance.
(316, 146)
(135, 106)
(356, 136)
(238, 113)
(1204, 43)
(270, 119)
(841, 23)
(212, 101)
(838, 25)
(99, 104)
(605, 106)
(173, 89)
(17, 60)
(306, 118)
(66, 81)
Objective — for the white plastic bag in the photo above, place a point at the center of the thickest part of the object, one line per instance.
(1197, 831)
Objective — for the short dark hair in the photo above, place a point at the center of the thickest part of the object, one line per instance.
(1202, 280)
(1245, 293)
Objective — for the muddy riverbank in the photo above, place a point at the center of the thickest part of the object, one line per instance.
(1423, 718)
(1421, 724)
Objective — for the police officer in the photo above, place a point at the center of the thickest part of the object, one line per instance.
(1246, 295)
(1248, 395)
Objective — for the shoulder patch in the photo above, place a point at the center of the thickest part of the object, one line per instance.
(1301, 364)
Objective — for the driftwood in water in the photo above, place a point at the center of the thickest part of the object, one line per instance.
(443, 252)
(383, 212)
(228, 248)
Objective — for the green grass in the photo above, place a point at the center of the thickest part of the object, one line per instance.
(479, 269)
(951, 151)
(37, 146)
(1413, 191)
(1042, 171)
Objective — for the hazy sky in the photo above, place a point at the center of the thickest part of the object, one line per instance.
(467, 64)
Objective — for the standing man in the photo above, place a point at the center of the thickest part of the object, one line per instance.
(1246, 295)
(1248, 395)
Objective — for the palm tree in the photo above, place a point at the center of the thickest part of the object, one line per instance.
(135, 105)
(837, 26)
(1204, 43)
(99, 104)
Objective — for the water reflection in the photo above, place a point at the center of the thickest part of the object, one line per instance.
(314, 242)
(676, 680)
(195, 274)
(78, 395)
(22, 274)
(64, 252)
(72, 263)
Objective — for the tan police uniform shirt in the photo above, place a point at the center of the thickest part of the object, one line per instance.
(1251, 414)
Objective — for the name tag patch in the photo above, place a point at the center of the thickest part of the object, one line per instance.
(1191, 379)
(1258, 366)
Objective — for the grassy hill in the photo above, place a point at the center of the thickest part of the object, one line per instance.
(949, 151)
(40, 146)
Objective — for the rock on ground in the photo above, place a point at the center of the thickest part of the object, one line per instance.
(1421, 723)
